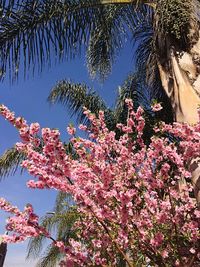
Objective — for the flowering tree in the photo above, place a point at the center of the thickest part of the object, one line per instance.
(131, 211)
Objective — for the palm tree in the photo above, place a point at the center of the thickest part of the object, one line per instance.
(166, 31)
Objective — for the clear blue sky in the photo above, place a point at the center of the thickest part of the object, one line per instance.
(28, 99)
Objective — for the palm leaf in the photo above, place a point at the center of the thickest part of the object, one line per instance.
(135, 88)
(51, 257)
(10, 161)
(33, 30)
(106, 39)
(75, 96)
(52, 254)
(59, 223)
(110, 33)
(63, 202)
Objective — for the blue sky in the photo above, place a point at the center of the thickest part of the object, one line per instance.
(28, 99)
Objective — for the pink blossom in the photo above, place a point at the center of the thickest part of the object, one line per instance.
(34, 128)
(192, 250)
(60, 245)
(71, 130)
(165, 254)
(157, 240)
(156, 107)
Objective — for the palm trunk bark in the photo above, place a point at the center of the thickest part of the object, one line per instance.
(180, 78)
(182, 85)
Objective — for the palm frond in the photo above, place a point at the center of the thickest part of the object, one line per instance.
(134, 87)
(36, 246)
(75, 96)
(51, 257)
(37, 28)
(10, 161)
(143, 37)
(106, 39)
(59, 224)
(34, 30)
(63, 202)
(111, 32)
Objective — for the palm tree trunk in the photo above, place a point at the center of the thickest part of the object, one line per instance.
(180, 78)
(182, 85)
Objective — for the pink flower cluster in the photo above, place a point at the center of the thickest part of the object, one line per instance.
(127, 194)
(22, 224)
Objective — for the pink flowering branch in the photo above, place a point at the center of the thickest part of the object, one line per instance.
(23, 224)
(127, 193)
